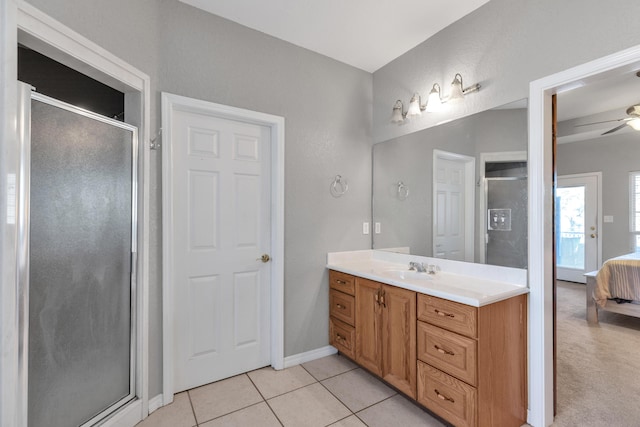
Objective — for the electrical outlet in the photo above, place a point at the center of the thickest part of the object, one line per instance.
(608, 218)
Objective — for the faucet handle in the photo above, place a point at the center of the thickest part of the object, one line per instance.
(433, 268)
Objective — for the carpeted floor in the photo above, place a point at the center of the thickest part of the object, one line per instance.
(598, 367)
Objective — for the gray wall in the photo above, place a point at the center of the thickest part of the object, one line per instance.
(615, 156)
(503, 45)
(410, 159)
(329, 106)
(327, 110)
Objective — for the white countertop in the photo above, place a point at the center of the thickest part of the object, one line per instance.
(478, 284)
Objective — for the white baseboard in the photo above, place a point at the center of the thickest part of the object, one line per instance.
(307, 356)
(155, 403)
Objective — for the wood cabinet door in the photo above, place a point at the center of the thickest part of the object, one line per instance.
(399, 338)
(368, 327)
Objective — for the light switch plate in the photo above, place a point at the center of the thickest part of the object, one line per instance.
(608, 218)
(365, 228)
(377, 228)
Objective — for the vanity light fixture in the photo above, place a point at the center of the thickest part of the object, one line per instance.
(415, 106)
(434, 102)
(398, 114)
(458, 91)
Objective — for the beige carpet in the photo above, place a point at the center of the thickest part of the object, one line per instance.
(598, 366)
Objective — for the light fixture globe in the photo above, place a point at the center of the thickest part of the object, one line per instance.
(457, 90)
(634, 123)
(397, 116)
(434, 102)
(414, 106)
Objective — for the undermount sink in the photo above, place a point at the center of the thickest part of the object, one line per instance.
(406, 275)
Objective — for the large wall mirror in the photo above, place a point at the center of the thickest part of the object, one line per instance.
(457, 190)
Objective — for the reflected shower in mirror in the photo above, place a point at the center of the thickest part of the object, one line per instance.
(468, 189)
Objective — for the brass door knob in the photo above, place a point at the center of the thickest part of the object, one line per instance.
(264, 258)
(593, 235)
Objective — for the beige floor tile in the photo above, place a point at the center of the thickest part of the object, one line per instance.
(310, 406)
(397, 411)
(223, 397)
(256, 415)
(272, 383)
(351, 421)
(329, 366)
(358, 389)
(178, 414)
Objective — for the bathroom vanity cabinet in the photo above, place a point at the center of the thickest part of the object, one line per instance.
(386, 333)
(466, 364)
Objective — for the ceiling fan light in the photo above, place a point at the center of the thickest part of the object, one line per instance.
(634, 123)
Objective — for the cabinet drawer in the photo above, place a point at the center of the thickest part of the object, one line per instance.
(448, 351)
(448, 397)
(342, 282)
(342, 337)
(342, 306)
(449, 315)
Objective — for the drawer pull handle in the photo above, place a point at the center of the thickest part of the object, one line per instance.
(443, 314)
(340, 338)
(340, 306)
(382, 301)
(376, 297)
(340, 282)
(443, 397)
(443, 351)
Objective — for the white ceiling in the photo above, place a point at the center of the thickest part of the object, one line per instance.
(604, 100)
(366, 34)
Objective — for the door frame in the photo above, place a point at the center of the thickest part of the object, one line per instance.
(171, 103)
(598, 177)
(469, 199)
(493, 157)
(25, 24)
(541, 181)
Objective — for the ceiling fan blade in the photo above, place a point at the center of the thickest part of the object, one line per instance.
(605, 121)
(617, 128)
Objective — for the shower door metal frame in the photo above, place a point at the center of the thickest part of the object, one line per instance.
(26, 94)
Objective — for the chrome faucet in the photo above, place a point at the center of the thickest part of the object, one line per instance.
(417, 266)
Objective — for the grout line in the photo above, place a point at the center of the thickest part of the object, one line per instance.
(233, 412)
(374, 404)
(193, 410)
(266, 401)
(332, 376)
(274, 413)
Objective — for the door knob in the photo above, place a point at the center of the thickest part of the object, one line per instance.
(593, 235)
(264, 258)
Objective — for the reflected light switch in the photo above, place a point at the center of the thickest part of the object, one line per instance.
(608, 218)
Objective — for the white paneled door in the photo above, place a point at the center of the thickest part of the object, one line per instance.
(452, 207)
(221, 182)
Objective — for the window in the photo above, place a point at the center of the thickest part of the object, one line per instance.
(634, 208)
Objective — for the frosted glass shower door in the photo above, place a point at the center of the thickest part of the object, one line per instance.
(81, 271)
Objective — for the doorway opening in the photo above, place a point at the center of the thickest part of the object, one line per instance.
(541, 232)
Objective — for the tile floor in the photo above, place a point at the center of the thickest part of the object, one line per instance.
(331, 391)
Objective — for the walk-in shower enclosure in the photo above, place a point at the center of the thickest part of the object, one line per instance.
(77, 263)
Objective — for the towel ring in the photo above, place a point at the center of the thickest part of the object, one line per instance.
(339, 186)
(403, 191)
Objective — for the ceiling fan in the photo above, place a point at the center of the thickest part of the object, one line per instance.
(633, 120)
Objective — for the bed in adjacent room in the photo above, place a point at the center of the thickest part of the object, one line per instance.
(615, 287)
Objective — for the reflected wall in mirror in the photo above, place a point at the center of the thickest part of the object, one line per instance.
(457, 190)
